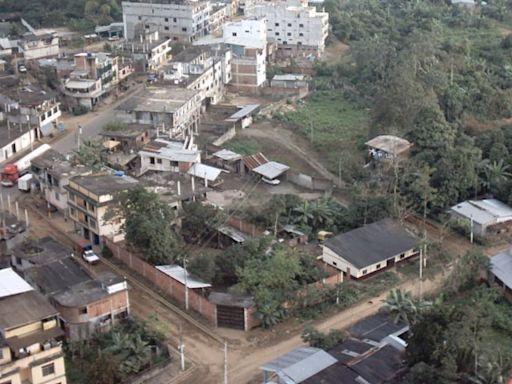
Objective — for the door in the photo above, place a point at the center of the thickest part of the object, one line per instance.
(230, 317)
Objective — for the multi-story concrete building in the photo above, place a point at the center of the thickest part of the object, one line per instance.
(203, 69)
(148, 51)
(86, 305)
(92, 306)
(248, 42)
(95, 75)
(89, 198)
(52, 172)
(28, 114)
(181, 20)
(168, 156)
(39, 46)
(293, 25)
(175, 111)
(29, 330)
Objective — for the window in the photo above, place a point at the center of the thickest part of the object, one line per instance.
(365, 271)
(289, 34)
(277, 24)
(173, 163)
(234, 33)
(402, 255)
(18, 260)
(83, 311)
(289, 24)
(301, 25)
(57, 196)
(334, 263)
(146, 26)
(377, 266)
(159, 161)
(184, 29)
(140, 17)
(151, 160)
(48, 369)
(166, 19)
(174, 19)
(301, 34)
(166, 28)
(277, 33)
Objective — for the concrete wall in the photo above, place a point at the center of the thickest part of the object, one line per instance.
(169, 286)
(309, 182)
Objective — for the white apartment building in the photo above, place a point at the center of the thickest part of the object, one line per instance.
(149, 51)
(174, 110)
(95, 74)
(294, 26)
(26, 114)
(201, 68)
(183, 21)
(248, 42)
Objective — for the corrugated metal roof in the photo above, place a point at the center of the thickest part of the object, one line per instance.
(487, 211)
(501, 267)
(178, 273)
(372, 243)
(12, 284)
(300, 364)
(205, 171)
(494, 207)
(243, 112)
(271, 170)
(235, 235)
(254, 161)
(226, 154)
(389, 144)
(288, 77)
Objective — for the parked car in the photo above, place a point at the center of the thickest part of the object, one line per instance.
(90, 257)
(270, 181)
(22, 69)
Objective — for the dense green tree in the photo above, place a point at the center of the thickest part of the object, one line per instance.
(147, 224)
(200, 221)
(89, 154)
(321, 340)
(468, 270)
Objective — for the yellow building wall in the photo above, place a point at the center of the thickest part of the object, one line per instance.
(23, 330)
(57, 377)
(6, 355)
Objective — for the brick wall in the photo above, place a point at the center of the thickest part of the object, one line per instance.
(169, 286)
(244, 227)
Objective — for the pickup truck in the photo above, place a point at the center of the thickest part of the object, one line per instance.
(90, 257)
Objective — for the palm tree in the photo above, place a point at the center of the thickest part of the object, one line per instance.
(495, 174)
(404, 307)
(303, 213)
(400, 305)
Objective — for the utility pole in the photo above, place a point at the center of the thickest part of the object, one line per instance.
(421, 274)
(181, 348)
(225, 362)
(186, 282)
(79, 133)
(471, 229)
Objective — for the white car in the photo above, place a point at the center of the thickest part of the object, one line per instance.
(90, 257)
(22, 69)
(270, 181)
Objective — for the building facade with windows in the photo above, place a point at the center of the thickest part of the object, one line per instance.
(29, 113)
(89, 198)
(183, 21)
(294, 26)
(30, 350)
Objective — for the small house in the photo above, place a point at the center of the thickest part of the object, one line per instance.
(501, 271)
(387, 147)
(369, 249)
(482, 215)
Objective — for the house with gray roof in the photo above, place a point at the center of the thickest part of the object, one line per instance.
(501, 271)
(482, 214)
(369, 249)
